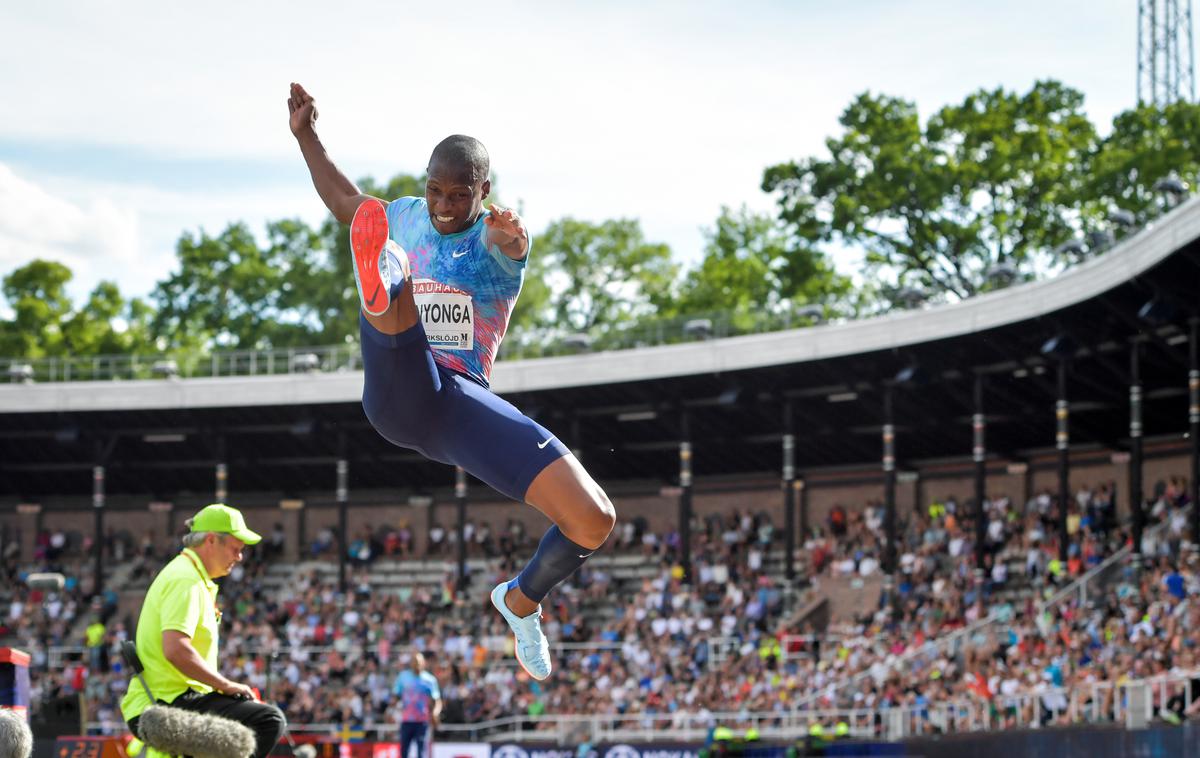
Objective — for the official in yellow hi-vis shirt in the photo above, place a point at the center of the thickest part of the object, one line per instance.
(178, 632)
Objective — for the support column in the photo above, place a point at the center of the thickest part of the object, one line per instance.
(98, 542)
(29, 522)
(291, 513)
(222, 490)
(1194, 427)
(423, 539)
(789, 496)
(302, 532)
(159, 518)
(343, 503)
(889, 491)
(979, 455)
(685, 499)
(1135, 450)
(801, 486)
(460, 499)
(1026, 473)
(1062, 441)
(576, 439)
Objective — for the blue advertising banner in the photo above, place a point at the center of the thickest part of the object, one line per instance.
(621, 750)
(1093, 742)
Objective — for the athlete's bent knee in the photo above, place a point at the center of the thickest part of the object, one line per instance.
(596, 520)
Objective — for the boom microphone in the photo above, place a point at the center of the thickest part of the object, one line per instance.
(16, 741)
(201, 735)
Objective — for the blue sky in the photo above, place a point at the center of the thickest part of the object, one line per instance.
(126, 123)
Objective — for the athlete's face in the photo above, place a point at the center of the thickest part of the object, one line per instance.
(455, 197)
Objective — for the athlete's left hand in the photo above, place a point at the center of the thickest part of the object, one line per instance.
(506, 230)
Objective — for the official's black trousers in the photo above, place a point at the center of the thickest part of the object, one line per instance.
(266, 721)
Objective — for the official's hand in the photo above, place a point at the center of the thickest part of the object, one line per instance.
(505, 226)
(303, 110)
(233, 689)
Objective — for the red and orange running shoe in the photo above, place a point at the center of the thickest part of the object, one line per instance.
(368, 243)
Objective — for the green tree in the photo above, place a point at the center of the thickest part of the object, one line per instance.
(45, 322)
(994, 180)
(603, 275)
(753, 266)
(226, 291)
(317, 300)
(108, 324)
(37, 295)
(1146, 144)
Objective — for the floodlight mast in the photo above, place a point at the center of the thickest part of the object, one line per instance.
(1166, 58)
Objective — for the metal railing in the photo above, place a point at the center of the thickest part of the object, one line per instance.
(1132, 704)
(564, 729)
(181, 364)
(1081, 587)
(650, 332)
(57, 656)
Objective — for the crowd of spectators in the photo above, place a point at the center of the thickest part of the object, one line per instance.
(727, 642)
(1032, 666)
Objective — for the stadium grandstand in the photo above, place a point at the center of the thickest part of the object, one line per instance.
(951, 519)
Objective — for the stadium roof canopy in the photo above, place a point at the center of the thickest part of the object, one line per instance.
(625, 410)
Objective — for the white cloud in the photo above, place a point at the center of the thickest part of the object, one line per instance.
(92, 237)
(125, 232)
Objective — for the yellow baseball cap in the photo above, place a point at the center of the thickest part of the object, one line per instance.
(224, 520)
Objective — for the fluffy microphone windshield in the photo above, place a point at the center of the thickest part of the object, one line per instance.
(16, 741)
(201, 735)
(52, 582)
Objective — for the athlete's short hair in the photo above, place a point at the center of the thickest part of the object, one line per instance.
(459, 150)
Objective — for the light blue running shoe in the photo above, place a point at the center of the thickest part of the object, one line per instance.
(533, 649)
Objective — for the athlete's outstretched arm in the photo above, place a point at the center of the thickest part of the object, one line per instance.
(339, 194)
(506, 230)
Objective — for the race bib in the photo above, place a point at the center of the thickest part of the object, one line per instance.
(447, 315)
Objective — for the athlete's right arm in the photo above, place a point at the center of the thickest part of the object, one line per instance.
(339, 194)
(178, 650)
